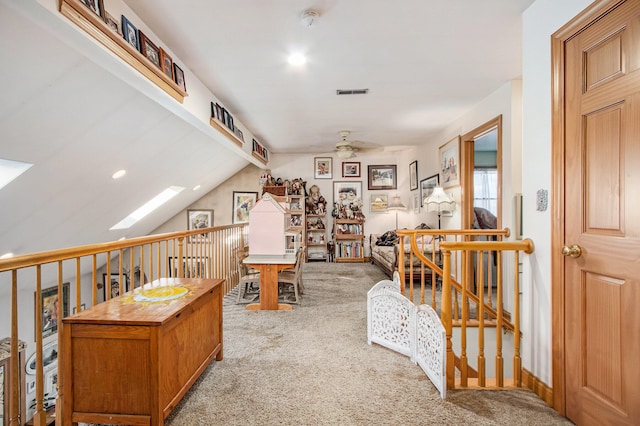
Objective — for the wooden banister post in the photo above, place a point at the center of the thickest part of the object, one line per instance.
(401, 263)
(445, 316)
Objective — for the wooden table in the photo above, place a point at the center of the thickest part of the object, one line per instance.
(130, 361)
(269, 267)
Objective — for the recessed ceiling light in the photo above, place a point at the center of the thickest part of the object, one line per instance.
(6, 255)
(119, 174)
(195, 188)
(148, 207)
(297, 59)
(9, 170)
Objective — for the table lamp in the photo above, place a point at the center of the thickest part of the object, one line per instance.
(439, 202)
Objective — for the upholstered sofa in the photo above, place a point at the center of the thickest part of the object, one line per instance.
(386, 256)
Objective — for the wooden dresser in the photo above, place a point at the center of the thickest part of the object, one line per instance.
(130, 362)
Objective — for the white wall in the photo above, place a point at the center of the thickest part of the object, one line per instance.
(540, 21)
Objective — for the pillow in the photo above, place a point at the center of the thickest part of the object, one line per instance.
(389, 238)
(423, 226)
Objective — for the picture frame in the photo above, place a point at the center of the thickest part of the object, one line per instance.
(199, 219)
(427, 185)
(347, 192)
(449, 157)
(49, 358)
(112, 23)
(112, 282)
(242, 203)
(413, 175)
(149, 49)
(379, 203)
(350, 169)
(51, 383)
(49, 304)
(166, 63)
(130, 33)
(382, 177)
(97, 6)
(191, 266)
(82, 308)
(323, 167)
(239, 134)
(416, 203)
(178, 77)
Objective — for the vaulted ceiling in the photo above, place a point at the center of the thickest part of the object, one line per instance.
(78, 115)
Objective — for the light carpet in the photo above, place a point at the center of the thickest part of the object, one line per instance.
(313, 366)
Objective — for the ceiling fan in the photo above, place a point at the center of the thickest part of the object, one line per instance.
(345, 148)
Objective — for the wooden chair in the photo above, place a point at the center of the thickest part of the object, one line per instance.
(249, 283)
(290, 280)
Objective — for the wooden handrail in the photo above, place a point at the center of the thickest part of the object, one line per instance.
(33, 259)
(525, 245)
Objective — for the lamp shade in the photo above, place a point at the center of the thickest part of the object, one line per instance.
(439, 201)
(396, 204)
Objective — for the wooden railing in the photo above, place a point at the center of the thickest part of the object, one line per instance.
(204, 253)
(472, 296)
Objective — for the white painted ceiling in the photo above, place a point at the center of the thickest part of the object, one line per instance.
(425, 63)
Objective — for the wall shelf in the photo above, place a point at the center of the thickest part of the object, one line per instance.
(218, 125)
(93, 25)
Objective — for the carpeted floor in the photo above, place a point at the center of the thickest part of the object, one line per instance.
(313, 366)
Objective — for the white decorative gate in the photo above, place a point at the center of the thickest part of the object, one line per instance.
(393, 321)
(431, 347)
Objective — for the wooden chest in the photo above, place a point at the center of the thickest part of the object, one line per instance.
(130, 362)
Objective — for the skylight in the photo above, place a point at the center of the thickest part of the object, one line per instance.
(148, 207)
(9, 170)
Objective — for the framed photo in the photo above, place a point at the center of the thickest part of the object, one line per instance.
(192, 267)
(242, 203)
(427, 185)
(379, 203)
(112, 285)
(166, 63)
(112, 22)
(449, 155)
(239, 134)
(199, 219)
(347, 193)
(382, 177)
(148, 49)
(413, 175)
(323, 167)
(82, 308)
(49, 358)
(178, 77)
(130, 33)
(96, 6)
(51, 383)
(50, 300)
(416, 203)
(350, 169)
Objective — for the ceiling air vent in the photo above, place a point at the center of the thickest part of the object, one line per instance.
(352, 92)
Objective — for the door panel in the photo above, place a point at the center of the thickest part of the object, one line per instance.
(602, 297)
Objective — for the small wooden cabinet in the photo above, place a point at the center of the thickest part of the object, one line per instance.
(130, 362)
(348, 238)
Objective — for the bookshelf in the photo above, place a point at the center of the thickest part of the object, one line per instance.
(348, 238)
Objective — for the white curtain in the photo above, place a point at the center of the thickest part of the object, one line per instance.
(485, 189)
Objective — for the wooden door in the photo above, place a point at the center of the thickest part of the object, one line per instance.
(602, 219)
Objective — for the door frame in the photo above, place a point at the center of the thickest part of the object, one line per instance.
(558, 176)
(467, 157)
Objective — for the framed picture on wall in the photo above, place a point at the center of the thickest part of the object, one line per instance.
(112, 285)
(382, 177)
(350, 169)
(413, 175)
(347, 192)
(449, 155)
(199, 219)
(50, 302)
(242, 203)
(379, 203)
(130, 33)
(323, 167)
(426, 187)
